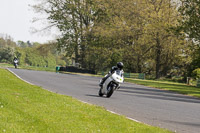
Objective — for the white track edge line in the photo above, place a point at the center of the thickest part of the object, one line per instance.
(18, 76)
(27, 81)
(116, 113)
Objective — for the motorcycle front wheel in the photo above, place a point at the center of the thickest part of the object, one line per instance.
(100, 93)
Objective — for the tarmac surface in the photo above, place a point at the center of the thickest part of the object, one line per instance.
(165, 109)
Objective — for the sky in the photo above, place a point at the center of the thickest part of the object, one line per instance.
(16, 20)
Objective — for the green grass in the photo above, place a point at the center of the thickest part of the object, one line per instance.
(171, 86)
(6, 65)
(26, 108)
(50, 69)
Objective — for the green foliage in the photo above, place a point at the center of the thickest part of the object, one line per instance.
(28, 53)
(140, 30)
(72, 18)
(189, 28)
(22, 44)
(6, 55)
(50, 60)
(195, 58)
(7, 48)
(33, 57)
(60, 62)
(99, 33)
(33, 54)
(189, 22)
(97, 59)
(196, 73)
(6, 41)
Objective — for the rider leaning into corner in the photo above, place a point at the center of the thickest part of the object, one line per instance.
(119, 66)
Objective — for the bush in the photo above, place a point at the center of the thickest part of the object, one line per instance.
(196, 73)
(6, 55)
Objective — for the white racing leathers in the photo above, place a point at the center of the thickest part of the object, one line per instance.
(15, 63)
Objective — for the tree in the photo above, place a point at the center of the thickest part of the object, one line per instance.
(7, 55)
(7, 48)
(119, 29)
(141, 30)
(2, 43)
(107, 31)
(6, 41)
(190, 22)
(189, 27)
(22, 44)
(73, 18)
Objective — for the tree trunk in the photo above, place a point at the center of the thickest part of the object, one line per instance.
(139, 70)
(158, 56)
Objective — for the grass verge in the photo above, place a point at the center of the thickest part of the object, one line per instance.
(3, 65)
(50, 69)
(28, 108)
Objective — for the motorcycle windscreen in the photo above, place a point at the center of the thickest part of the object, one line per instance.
(119, 72)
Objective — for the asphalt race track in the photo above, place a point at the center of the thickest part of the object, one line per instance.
(151, 106)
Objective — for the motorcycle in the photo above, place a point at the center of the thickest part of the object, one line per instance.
(15, 63)
(111, 84)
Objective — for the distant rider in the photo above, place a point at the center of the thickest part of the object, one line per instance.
(119, 66)
(15, 61)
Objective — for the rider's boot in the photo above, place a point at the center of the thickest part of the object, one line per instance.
(101, 83)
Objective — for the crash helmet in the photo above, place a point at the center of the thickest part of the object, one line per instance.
(120, 65)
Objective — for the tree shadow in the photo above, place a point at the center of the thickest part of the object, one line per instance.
(183, 123)
(158, 94)
(180, 88)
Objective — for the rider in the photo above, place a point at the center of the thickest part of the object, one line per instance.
(15, 60)
(113, 69)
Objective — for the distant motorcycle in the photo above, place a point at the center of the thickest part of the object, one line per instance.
(15, 63)
(111, 84)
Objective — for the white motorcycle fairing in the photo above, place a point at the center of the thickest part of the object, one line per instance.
(111, 83)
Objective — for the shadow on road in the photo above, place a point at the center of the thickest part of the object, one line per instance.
(158, 94)
(92, 95)
(183, 123)
(95, 96)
